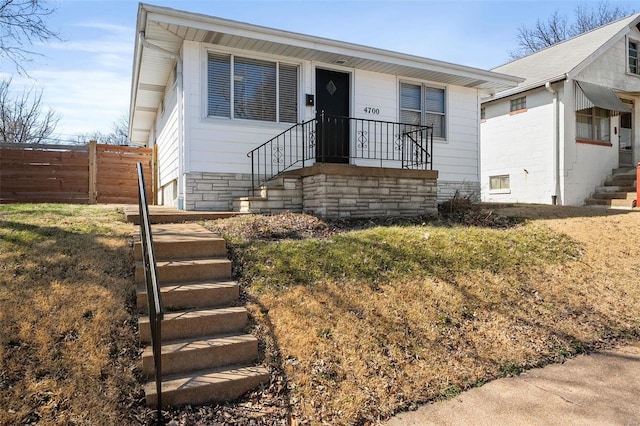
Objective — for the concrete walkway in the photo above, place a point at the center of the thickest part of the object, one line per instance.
(598, 389)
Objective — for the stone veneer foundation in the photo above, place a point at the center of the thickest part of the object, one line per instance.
(342, 190)
(327, 190)
(215, 191)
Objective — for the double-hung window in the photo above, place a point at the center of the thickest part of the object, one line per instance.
(423, 105)
(634, 66)
(593, 124)
(251, 89)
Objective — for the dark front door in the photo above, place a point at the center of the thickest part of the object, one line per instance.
(332, 98)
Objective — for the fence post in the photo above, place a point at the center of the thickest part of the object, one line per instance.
(93, 172)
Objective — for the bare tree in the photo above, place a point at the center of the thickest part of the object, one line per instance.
(118, 136)
(558, 27)
(22, 119)
(22, 24)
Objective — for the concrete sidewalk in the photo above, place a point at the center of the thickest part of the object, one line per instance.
(598, 389)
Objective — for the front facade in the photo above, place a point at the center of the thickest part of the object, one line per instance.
(569, 125)
(209, 91)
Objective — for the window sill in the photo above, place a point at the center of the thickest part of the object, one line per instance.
(632, 74)
(597, 143)
(499, 191)
(518, 111)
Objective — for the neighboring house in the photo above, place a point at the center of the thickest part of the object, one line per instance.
(359, 131)
(562, 134)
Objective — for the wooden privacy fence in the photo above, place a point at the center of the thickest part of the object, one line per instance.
(85, 174)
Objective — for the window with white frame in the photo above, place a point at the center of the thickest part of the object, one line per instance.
(251, 89)
(423, 105)
(518, 104)
(593, 124)
(500, 182)
(633, 57)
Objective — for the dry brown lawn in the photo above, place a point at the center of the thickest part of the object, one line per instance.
(355, 353)
(415, 311)
(68, 347)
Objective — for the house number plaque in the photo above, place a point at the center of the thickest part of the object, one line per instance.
(372, 110)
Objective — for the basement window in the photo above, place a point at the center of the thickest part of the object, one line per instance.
(499, 184)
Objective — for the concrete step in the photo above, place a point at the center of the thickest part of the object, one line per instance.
(624, 171)
(207, 386)
(609, 195)
(197, 322)
(199, 353)
(182, 241)
(174, 271)
(611, 202)
(615, 189)
(197, 294)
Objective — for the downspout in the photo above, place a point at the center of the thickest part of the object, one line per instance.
(179, 100)
(556, 143)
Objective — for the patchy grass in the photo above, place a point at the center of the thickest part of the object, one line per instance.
(368, 322)
(68, 350)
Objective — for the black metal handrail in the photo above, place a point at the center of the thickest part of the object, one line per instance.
(154, 299)
(327, 138)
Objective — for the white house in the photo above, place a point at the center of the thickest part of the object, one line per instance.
(356, 130)
(567, 133)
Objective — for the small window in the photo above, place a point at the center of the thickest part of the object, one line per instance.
(633, 57)
(499, 182)
(519, 104)
(483, 113)
(593, 124)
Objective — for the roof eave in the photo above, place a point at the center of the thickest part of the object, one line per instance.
(525, 88)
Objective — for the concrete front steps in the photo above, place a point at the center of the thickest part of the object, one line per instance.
(282, 194)
(206, 354)
(618, 190)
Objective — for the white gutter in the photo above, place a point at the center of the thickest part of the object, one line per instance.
(556, 143)
(179, 98)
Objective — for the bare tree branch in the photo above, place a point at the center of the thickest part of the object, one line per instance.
(21, 25)
(118, 136)
(22, 119)
(558, 27)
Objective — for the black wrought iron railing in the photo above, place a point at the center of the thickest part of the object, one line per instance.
(154, 299)
(328, 139)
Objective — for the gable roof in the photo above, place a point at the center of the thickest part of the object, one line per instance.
(161, 32)
(565, 59)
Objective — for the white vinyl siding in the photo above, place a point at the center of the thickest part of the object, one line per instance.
(262, 90)
(423, 105)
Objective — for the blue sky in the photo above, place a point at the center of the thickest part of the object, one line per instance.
(86, 77)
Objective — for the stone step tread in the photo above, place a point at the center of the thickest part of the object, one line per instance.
(198, 343)
(192, 294)
(191, 285)
(196, 313)
(197, 322)
(220, 384)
